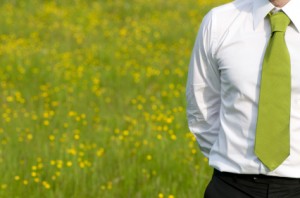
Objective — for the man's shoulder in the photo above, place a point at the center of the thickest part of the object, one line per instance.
(222, 17)
(232, 7)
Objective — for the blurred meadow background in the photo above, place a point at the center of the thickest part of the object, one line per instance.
(92, 97)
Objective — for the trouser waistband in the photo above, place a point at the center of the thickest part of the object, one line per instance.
(259, 178)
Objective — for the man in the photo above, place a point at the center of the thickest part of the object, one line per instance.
(243, 98)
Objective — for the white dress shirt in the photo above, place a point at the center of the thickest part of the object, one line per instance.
(224, 83)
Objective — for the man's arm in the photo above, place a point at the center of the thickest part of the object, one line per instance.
(203, 88)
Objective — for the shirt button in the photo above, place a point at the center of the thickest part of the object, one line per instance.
(298, 102)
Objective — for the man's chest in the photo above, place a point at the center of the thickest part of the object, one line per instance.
(240, 55)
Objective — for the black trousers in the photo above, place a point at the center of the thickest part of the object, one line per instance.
(229, 185)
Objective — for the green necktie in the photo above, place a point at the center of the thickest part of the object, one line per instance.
(272, 143)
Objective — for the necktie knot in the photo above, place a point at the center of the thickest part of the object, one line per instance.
(279, 22)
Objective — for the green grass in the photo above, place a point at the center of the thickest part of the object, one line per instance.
(92, 98)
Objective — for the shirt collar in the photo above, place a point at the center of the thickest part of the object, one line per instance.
(260, 10)
(292, 10)
(262, 7)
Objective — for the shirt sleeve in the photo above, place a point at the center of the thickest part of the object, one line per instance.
(203, 88)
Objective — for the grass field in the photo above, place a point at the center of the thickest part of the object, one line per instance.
(92, 99)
